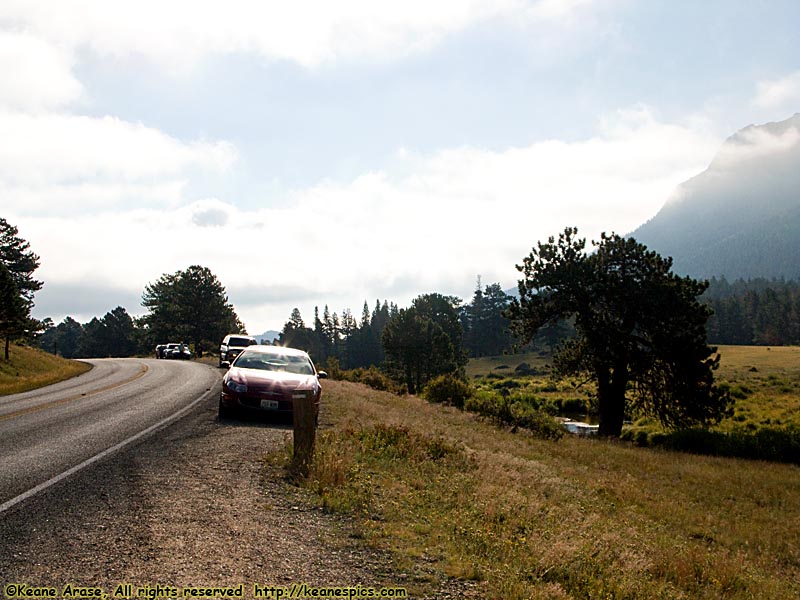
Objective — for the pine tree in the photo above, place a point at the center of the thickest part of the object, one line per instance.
(13, 309)
(641, 328)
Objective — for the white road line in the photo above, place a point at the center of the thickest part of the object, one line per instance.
(89, 461)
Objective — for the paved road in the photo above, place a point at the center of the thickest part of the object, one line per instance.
(48, 432)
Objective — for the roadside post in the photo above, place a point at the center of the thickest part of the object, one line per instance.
(305, 432)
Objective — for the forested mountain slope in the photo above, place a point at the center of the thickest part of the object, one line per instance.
(740, 218)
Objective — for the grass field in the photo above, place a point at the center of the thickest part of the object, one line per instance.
(29, 368)
(764, 382)
(454, 496)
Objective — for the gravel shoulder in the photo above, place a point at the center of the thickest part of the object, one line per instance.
(194, 505)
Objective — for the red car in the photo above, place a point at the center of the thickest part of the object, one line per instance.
(267, 380)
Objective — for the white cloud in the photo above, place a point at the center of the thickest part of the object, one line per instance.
(309, 32)
(432, 224)
(36, 74)
(559, 9)
(783, 93)
(752, 144)
(64, 198)
(69, 147)
(82, 162)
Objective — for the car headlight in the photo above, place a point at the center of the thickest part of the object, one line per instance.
(235, 386)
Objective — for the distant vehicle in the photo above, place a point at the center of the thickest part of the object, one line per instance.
(232, 345)
(160, 350)
(177, 351)
(267, 380)
(182, 352)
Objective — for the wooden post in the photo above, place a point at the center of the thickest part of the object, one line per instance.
(305, 431)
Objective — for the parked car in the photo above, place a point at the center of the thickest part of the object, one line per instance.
(182, 352)
(160, 350)
(177, 351)
(267, 380)
(232, 345)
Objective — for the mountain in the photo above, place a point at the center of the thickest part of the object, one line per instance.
(741, 217)
(268, 336)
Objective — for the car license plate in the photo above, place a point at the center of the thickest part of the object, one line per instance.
(269, 404)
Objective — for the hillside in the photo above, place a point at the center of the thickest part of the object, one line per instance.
(448, 494)
(741, 217)
(30, 368)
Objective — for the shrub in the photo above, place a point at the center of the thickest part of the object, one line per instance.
(506, 384)
(524, 368)
(371, 376)
(537, 421)
(766, 443)
(640, 436)
(574, 405)
(397, 442)
(528, 398)
(447, 389)
(332, 368)
(377, 379)
(507, 411)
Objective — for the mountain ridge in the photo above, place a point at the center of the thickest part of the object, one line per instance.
(740, 218)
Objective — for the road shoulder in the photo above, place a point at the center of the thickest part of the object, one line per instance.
(193, 505)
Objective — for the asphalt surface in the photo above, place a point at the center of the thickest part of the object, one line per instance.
(47, 434)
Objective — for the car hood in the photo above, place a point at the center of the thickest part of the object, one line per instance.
(258, 379)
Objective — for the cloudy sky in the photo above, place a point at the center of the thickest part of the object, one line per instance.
(313, 152)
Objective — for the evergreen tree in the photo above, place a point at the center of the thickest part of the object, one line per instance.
(486, 327)
(365, 318)
(443, 311)
(20, 261)
(641, 328)
(417, 349)
(295, 334)
(61, 339)
(93, 342)
(13, 309)
(119, 333)
(189, 306)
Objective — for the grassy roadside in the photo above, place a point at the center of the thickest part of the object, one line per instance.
(576, 518)
(29, 369)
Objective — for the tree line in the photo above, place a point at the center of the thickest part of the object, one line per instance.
(761, 312)
(435, 335)
(636, 330)
(188, 306)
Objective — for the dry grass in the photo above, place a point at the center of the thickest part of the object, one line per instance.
(575, 518)
(505, 365)
(29, 369)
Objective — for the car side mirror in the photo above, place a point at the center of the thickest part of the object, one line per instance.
(322, 374)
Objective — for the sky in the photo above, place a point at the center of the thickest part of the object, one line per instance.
(316, 153)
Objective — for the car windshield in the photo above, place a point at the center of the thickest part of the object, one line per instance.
(239, 341)
(299, 365)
